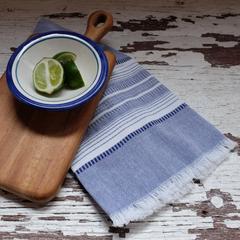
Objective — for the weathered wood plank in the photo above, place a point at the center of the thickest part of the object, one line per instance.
(192, 47)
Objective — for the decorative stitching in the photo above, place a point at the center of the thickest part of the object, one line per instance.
(129, 137)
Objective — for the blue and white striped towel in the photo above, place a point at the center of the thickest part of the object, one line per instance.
(143, 146)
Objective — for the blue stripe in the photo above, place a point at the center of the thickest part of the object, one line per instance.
(133, 134)
(145, 99)
(128, 81)
(125, 122)
(119, 61)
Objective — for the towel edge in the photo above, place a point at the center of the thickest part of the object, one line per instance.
(170, 190)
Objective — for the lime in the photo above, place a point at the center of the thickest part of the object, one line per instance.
(48, 75)
(63, 57)
(73, 78)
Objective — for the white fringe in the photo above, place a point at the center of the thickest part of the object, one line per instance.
(175, 187)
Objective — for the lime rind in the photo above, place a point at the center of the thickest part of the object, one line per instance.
(64, 57)
(73, 77)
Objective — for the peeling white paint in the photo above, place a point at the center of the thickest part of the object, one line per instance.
(217, 201)
(212, 92)
(232, 224)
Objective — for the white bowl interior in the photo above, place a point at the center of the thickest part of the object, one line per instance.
(87, 61)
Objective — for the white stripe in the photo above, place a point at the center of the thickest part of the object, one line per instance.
(129, 116)
(123, 102)
(124, 70)
(120, 134)
(117, 126)
(125, 89)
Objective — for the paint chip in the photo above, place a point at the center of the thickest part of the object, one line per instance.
(217, 201)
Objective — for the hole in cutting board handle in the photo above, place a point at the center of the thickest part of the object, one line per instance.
(101, 19)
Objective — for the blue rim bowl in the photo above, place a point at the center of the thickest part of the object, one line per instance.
(91, 61)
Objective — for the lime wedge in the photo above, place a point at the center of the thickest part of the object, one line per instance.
(63, 57)
(73, 78)
(48, 75)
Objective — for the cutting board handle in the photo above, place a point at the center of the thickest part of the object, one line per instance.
(95, 32)
(37, 173)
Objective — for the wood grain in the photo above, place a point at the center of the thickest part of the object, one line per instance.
(37, 147)
(40, 145)
(96, 32)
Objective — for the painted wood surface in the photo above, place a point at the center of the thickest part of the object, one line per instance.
(193, 48)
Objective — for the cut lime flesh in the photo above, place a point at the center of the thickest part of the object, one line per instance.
(48, 75)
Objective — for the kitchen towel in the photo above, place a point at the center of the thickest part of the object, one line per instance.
(143, 146)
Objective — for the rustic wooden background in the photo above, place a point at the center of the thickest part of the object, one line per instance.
(191, 46)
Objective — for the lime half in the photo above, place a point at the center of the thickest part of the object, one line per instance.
(48, 75)
(64, 57)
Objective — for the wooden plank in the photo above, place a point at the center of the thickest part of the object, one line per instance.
(185, 65)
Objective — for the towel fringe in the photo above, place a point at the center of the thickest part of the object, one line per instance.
(175, 187)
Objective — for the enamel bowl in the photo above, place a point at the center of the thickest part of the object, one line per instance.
(91, 62)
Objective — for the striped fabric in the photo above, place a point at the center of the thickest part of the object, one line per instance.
(143, 146)
(101, 155)
(134, 102)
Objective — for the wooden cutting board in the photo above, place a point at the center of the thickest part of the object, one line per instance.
(37, 147)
